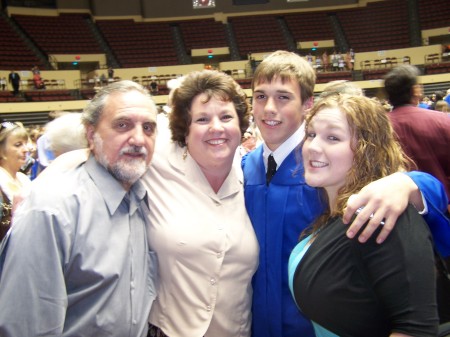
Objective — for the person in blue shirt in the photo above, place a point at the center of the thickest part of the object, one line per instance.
(280, 209)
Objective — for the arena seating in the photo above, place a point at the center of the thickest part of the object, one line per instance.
(63, 34)
(379, 26)
(151, 44)
(8, 97)
(257, 34)
(48, 95)
(14, 53)
(139, 44)
(201, 34)
(434, 13)
(309, 26)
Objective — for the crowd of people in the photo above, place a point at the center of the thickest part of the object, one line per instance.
(337, 61)
(328, 225)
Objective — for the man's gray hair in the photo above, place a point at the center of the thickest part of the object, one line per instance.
(94, 109)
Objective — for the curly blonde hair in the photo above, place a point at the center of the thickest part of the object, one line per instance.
(376, 150)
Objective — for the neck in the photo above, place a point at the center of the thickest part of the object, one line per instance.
(10, 171)
(126, 186)
(216, 178)
(331, 201)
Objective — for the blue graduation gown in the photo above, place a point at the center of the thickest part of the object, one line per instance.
(439, 223)
(279, 213)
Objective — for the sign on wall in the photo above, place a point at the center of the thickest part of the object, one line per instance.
(203, 4)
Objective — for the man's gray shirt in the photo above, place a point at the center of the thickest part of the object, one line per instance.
(77, 261)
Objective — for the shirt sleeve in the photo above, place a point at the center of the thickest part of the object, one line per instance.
(401, 272)
(436, 200)
(32, 288)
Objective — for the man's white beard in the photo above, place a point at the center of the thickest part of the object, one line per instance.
(125, 171)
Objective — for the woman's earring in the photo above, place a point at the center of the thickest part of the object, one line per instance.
(185, 153)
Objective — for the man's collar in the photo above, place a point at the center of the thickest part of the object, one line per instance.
(287, 147)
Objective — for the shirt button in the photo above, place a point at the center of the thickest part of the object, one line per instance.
(213, 281)
(134, 322)
(132, 285)
(208, 308)
(219, 255)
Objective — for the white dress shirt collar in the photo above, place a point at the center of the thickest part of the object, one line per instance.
(286, 148)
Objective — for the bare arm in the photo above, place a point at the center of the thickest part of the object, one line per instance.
(386, 199)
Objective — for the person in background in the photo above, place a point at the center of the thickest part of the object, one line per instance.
(14, 80)
(447, 97)
(425, 137)
(424, 134)
(13, 156)
(377, 290)
(66, 133)
(442, 106)
(199, 228)
(36, 70)
(281, 205)
(110, 73)
(424, 102)
(34, 131)
(38, 81)
(349, 61)
(341, 86)
(436, 97)
(44, 154)
(3, 83)
(77, 262)
(325, 61)
(154, 88)
(334, 61)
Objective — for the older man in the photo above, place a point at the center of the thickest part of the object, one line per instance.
(77, 262)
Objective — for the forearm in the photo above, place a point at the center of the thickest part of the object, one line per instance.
(382, 201)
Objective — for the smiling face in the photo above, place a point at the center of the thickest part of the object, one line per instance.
(124, 138)
(327, 152)
(278, 110)
(14, 151)
(214, 133)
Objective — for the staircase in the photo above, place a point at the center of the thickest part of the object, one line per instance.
(110, 58)
(231, 40)
(180, 48)
(30, 44)
(292, 45)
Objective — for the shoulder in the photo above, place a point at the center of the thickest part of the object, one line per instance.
(23, 178)
(252, 157)
(54, 189)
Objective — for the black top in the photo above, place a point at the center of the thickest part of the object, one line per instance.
(355, 289)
